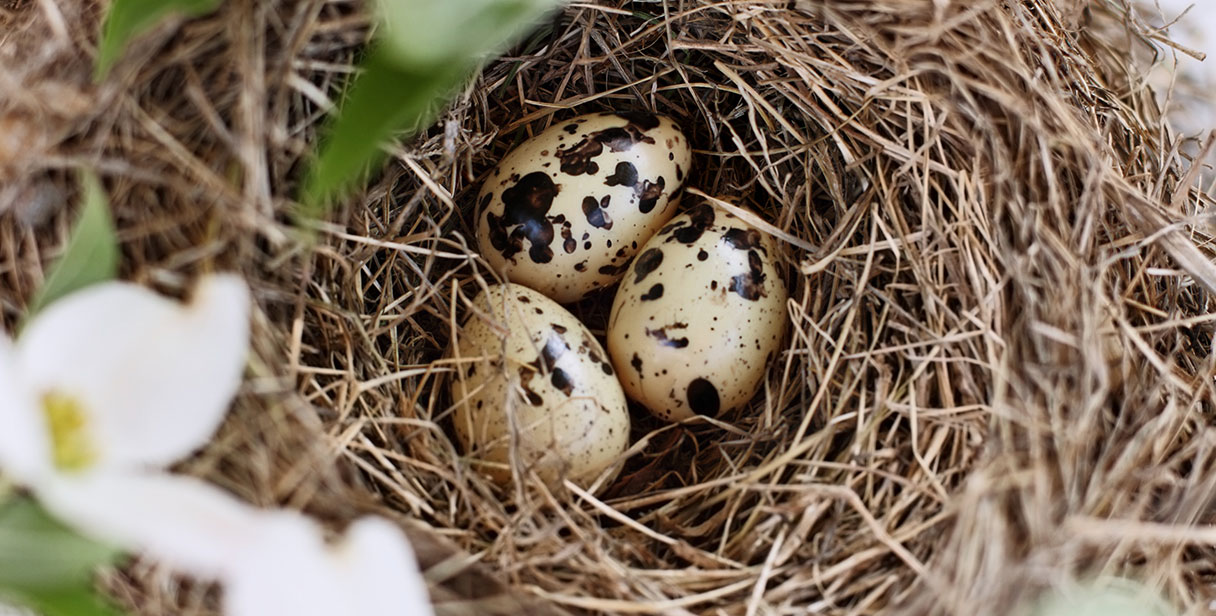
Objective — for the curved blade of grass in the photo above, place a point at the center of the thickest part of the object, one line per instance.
(92, 251)
(128, 19)
(385, 99)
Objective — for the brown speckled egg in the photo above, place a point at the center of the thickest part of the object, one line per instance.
(699, 316)
(526, 366)
(565, 211)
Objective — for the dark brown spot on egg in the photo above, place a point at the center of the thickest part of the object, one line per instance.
(636, 362)
(679, 174)
(654, 293)
(750, 286)
(666, 339)
(646, 263)
(578, 159)
(743, 239)
(703, 397)
(690, 230)
(533, 398)
(596, 215)
(581, 266)
(613, 270)
(561, 329)
(625, 175)
(648, 194)
(570, 128)
(568, 243)
(604, 365)
(523, 299)
(554, 348)
(526, 206)
(702, 255)
(562, 381)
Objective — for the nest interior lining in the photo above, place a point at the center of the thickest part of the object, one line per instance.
(995, 375)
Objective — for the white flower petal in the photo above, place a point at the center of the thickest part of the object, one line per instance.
(380, 571)
(287, 570)
(7, 609)
(24, 451)
(154, 377)
(291, 570)
(181, 521)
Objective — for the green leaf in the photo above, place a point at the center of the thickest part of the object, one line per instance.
(385, 99)
(37, 552)
(425, 50)
(79, 599)
(429, 33)
(91, 255)
(128, 19)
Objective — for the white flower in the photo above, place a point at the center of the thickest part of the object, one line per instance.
(290, 569)
(113, 383)
(110, 385)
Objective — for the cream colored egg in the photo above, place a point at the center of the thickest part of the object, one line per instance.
(699, 316)
(565, 211)
(529, 373)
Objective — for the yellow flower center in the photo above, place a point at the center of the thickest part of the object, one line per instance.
(68, 424)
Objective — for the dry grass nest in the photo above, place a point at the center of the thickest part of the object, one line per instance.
(999, 369)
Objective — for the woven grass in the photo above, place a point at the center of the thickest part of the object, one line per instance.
(999, 374)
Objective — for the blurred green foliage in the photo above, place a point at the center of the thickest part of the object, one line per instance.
(91, 255)
(425, 50)
(44, 565)
(1109, 596)
(425, 33)
(388, 99)
(128, 19)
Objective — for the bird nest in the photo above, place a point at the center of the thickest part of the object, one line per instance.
(998, 371)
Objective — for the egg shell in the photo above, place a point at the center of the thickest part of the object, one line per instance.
(547, 376)
(565, 211)
(699, 316)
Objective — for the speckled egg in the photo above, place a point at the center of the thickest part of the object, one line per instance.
(565, 211)
(528, 372)
(699, 316)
